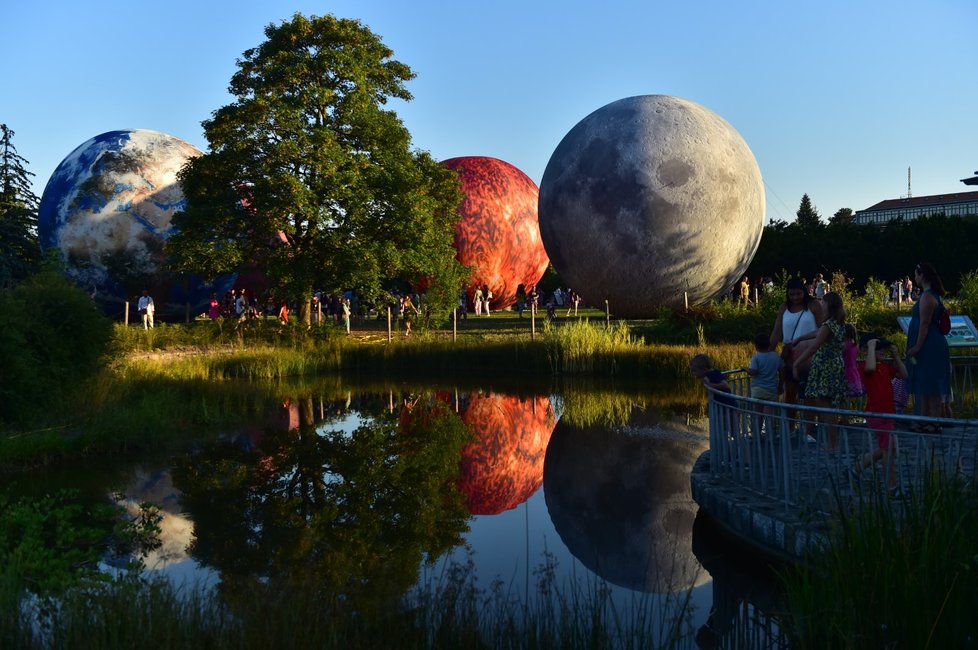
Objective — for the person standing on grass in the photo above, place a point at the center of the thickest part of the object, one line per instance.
(478, 301)
(878, 374)
(486, 297)
(346, 314)
(146, 309)
(520, 298)
(214, 307)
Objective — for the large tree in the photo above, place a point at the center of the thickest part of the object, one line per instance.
(310, 177)
(842, 216)
(19, 249)
(807, 215)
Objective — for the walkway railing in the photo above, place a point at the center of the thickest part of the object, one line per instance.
(809, 457)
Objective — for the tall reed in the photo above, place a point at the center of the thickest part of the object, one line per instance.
(896, 573)
(451, 611)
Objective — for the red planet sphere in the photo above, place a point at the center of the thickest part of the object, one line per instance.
(503, 466)
(498, 234)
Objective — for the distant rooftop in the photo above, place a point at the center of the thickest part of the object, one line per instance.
(921, 201)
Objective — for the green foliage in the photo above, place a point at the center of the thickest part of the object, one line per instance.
(968, 294)
(584, 347)
(842, 216)
(312, 179)
(53, 543)
(51, 339)
(866, 251)
(19, 250)
(895, 574)
(807, 216)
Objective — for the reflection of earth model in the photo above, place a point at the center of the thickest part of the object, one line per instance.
(108, 207)
(650, 197)
(621, 503)
(498, 234)
(503, 466)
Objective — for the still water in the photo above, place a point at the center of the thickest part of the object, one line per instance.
(391, 490)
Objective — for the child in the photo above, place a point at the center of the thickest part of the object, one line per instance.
(878, 375)
(763, 368)
(850, 352)
(701, 366)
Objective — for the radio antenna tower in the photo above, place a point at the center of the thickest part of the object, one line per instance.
(909, 193)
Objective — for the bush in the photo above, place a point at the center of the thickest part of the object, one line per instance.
(52, 337)
(968, 294)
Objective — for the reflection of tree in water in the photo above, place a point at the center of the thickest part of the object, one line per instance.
(349, 515)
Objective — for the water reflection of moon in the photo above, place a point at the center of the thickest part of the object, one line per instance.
(176, 530)
(622, 505)
(503, 466)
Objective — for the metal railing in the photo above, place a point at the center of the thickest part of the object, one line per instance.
(809, 457)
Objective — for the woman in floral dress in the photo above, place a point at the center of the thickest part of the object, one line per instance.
(827, 379)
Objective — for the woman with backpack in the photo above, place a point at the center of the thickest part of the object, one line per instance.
(927, 350)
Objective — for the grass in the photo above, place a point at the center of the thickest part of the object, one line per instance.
(449, 611)
(895, 574)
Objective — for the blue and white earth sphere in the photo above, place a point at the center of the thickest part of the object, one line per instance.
(108, 208)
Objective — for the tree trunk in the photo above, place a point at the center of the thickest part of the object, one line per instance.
(305, 308)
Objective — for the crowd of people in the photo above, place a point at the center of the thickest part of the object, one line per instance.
(818, 364)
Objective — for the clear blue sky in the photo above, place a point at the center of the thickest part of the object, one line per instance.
(835, 99)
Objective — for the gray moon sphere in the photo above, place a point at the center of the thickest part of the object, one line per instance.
(651, 200)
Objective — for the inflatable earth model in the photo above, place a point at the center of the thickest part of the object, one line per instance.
(649, 201)
(108, 208)
(498, 234)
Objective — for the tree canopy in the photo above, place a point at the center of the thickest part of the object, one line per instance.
(869, 251)
(842, 216)
(19, 249)
(311, 178)
(807, 215)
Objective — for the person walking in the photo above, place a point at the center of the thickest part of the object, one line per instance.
(146, 309)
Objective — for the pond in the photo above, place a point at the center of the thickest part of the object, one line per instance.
(518, 493)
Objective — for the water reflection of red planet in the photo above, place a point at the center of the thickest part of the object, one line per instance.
(498, 234)
(503, 466)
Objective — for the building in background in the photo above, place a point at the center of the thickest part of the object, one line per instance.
(958, 204)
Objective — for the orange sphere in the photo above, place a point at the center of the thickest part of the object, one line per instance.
(498, 234)
(503, 466)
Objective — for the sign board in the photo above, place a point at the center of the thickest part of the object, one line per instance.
(962, 335)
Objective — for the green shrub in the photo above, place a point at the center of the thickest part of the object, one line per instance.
(51, 338)
(968, 294)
